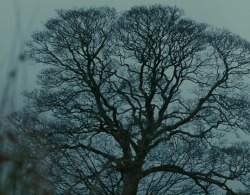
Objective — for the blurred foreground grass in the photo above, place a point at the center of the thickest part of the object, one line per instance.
(19, 172)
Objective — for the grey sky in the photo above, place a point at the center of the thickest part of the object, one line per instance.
(18, 18)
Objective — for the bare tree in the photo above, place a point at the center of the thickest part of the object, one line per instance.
(141, 102)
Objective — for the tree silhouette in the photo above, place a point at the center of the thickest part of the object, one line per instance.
(140, 102)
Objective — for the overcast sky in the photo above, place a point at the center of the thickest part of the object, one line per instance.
(18, 18)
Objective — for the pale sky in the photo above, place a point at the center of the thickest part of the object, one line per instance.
(18, 18)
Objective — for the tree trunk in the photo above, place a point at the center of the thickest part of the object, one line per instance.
(131, 182)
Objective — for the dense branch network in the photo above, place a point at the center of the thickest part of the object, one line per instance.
(138, 102)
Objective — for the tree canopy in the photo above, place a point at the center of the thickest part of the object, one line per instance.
(140, 102)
